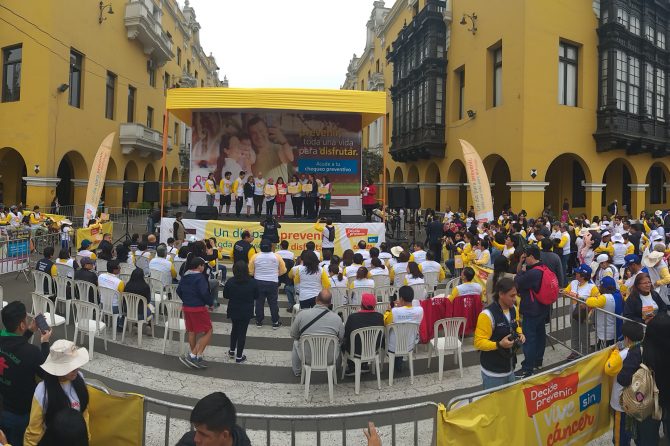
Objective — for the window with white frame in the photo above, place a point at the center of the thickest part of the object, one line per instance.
(567, 74)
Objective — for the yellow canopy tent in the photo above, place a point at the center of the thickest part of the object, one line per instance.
(182, 102)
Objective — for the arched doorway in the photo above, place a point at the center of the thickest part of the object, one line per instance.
(618, 175)
(432, 192)
(566, 175)
(12, 170)
(130, 172)
(72, 166)
(397, 176)
(457, 196)
(499, 175)
(413, 175)
(149, 173)
(657, 177)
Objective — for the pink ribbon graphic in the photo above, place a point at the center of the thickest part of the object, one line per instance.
(198, 183)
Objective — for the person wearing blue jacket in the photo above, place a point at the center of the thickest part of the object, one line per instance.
(193, 290)
(528, 278)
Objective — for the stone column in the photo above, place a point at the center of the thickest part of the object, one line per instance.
(449, 195)
(39, 191)
(637, 198)
(528, 195)
(594, 197)
(80, 187)
(114, 193)
(666, 204)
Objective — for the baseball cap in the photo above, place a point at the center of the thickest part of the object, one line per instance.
(605, 234)
(85, 243)
(368, 301)
(602, 258)
(584, 269)
(608, 282)
(630, 259)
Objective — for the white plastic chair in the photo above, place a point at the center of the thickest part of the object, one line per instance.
(399, 280)
(339, 296)
(345, 310)
(62, 284)
(323, 354)
(357, 293)
(39, 279)
(431, 279)
(126, 268)
(451, 285)
(87, 320)
(171, 291)
(143, 263)
(384, 293)
(381, 307)
(381, 280)
(158, 294)
(177, 266)
(402, 333)
(451, 341)
(84, 290)
(371, 341)
(164, 276)
(175, 324)
(3, 304)
(107, 296)
(42, 304)
(101, 265)
(132, 315)
(64, 270)
(420, 291)
(77, 258)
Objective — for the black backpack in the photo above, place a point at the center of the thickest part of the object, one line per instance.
(331, 233)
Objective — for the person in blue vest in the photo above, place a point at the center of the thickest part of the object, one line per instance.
(498, 336)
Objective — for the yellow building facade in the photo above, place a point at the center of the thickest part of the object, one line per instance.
(86, 69)
(506, 65)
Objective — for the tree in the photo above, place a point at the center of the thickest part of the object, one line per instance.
(373, 164)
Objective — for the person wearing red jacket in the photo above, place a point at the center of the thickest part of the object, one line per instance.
(369, 194)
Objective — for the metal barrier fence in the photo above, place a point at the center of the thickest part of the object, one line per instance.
(21, 249)
(294, 424)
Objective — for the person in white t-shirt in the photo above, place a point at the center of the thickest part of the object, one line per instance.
(402, 312)
(336, 279)
(431, 266)
(362, 250)
(351, 270)
(162, 264)
(419, 255)
(111, 280)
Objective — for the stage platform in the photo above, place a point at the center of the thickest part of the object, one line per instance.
(285, 219)
(296, 232)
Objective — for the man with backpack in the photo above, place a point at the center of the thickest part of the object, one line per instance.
(538, 287)
(327, 235)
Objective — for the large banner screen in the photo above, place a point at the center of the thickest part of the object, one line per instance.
(278, 144)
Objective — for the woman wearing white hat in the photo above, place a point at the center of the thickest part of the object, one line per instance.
(658, 271)
(63, 387)
(604, 268)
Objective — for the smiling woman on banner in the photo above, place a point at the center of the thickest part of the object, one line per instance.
(274, 153)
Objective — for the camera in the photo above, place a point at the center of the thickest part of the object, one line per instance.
(514, 336)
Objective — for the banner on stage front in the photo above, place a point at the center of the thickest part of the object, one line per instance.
(479, 183)
(570, 407)
(278, 144)
(226, 233)
(94, 233)
(96, 179)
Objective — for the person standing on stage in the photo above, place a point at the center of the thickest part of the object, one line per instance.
(225, 186)
(210, 189)
(369, 194)
(325, 198)
(296, 197)
(270, 197)
(259, 193)
(249, 193)
(238, 191)
(310, 196)
(281, 197)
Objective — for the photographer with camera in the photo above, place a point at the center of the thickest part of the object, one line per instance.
(498, 336)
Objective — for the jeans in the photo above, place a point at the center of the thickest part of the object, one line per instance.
(210, 199)
(297, 206)
(309, 207)
(536, 337)
(564, 263)
(239, 203)
(269, 207)
(238, 336)
(436, 247)
(14, 426)
(214, 291)
(258, 204)
(290, 295)
(647, 432)
(325, 204)
(451, 266)
(267, 290)
(308, 303)
(490, 382)
(224, 272)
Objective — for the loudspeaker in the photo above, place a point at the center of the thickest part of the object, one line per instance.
(206, 213)
(129, 192)
(413, 198)
(151, 192)
(397, 197)
(334, 214)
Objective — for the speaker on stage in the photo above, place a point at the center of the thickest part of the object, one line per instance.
(206, 213)
(397, 197)
(413, 198)
(129, 192)
(151, 192)
(334, 214)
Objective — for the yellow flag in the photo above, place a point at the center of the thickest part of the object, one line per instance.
(96, 180)
(479, 183)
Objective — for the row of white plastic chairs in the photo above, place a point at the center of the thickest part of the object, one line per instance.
(69, 292)
(323, 351)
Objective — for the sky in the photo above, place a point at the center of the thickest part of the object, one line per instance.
(283, 43)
